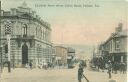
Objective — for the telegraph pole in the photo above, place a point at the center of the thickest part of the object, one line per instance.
(0, 41)
(9, 59)
(8, 34)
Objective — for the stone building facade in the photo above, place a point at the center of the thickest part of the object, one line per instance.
(115, 47)
(30, 36)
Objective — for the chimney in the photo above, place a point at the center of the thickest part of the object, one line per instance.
(119, 28)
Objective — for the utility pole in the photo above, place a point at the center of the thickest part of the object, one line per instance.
(0, 41)
(9, 59)
(8, 34)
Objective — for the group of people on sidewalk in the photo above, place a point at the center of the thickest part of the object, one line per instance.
(101, 64)
(29, 65)
(114, 67)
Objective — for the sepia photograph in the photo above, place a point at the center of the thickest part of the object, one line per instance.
(63, 40)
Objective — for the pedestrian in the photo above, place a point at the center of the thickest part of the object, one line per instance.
(123, 68)
(112, 66)
(116, 67)
(30, 64)
(26, 65)
(109, 69)
(83, 63)
(80, 73)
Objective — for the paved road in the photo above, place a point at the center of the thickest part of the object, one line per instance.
(56, 75)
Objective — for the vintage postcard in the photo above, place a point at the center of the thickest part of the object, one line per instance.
(63, 40)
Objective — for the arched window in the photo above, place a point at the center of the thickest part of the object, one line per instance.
(25, 30)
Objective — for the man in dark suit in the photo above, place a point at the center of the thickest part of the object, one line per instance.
(80, 72)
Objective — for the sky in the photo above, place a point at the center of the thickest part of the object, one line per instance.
(78, 25)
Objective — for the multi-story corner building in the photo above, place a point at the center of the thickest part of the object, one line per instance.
(115, 47)
(30, 36)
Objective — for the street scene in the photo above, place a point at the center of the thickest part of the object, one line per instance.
(57, 75)
(63, 41)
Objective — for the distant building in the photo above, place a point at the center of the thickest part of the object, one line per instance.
(70, 57)
(71, 53)
(97, 52)
(30, 36)
(115, 47)
(61, 55)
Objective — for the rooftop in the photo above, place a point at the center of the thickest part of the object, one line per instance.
(119, 32)
(25, 11)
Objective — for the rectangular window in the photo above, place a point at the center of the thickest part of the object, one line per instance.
(117, 45)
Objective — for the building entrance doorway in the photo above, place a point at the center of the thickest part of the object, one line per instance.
(24, 54)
